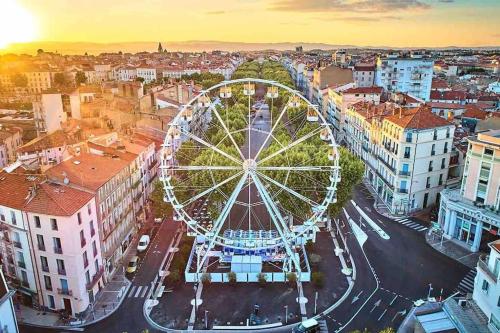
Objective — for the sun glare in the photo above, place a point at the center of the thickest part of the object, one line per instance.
(16, 24)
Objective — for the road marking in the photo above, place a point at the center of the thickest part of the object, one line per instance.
(406, 222)
(377, 303)
(422, 229)
(131, 292)
(383, 313)
(144, 291)
(413, 225)
(138, 291)
(355, 298)
(393, 300)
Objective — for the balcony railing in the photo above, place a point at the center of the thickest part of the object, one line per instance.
(402, 190)
(17, 244)
(58, 250)
(387, 164)
(62, 291)
(482, 263)
(95, 278)
(405, 173)
(21, 264)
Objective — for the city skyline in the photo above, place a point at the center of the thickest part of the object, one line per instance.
(357, 22)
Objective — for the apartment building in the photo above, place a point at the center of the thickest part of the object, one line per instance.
(10, 140)
(148, 73)
(63, 221)
(8, 321)
(341, 98)
(407, 74)
(470, 215)
(116, 177)
(54, 109)
(328, 77)
(486, 286)
(364, 75)
(407, 153)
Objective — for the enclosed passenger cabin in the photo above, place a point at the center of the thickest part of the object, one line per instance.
(272, 92)
(312, 114)
(204, 101)
(324, 134)
(294, 102)
(225, 92)
(249, 89)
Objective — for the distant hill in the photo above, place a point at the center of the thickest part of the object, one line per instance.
(133, 47)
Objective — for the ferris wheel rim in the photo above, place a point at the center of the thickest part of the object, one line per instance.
(219, 239)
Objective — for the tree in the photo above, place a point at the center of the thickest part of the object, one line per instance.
(262, 279)
(388, 330)
(318, 279)
(19, 80)
(206, 278)
(291, 277)
(315, 259)
(231, 277)
(161, 209)
(39, 51)
(80, 78)
(174, 277)
(60, 79)
(139, 79)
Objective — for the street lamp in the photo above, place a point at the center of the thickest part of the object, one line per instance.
(206, 319)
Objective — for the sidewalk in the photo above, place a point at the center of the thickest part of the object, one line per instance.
(379, 204)
(449, 248)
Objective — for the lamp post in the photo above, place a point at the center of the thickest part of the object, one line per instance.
(206, 319)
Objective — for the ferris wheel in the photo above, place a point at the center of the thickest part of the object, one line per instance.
(250, 166)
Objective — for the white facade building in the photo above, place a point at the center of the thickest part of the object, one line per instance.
(8, 322)
(54, 109)
(412, 75)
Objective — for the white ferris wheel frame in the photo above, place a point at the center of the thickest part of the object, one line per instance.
(213, 236)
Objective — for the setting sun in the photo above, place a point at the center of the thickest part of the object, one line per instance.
(16, 24)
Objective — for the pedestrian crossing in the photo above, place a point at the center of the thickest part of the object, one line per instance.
(410, 224)
(138, 291)
(323, 327)
(466, 286)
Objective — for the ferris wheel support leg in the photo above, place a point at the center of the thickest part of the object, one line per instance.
(220, 220)
(279, 223)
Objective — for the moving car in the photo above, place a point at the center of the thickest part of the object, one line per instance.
(307, 326)
(132, 264)
(143, 243)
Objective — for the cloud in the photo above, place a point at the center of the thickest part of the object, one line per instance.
(363, 18)
(216, 12)
(357, 6)
(447, 1)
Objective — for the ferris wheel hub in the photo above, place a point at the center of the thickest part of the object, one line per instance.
(250, 165)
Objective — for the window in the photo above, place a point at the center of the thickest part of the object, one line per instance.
(433, 149)
(94, 248)
(53, 224)
(441, 179)
(89, 210)
(408, 137)
(40, 242)
(85, 259)
(79, 215)
(82, 239)
(445, 150)
(92, 230)
(435, 136)
(485, 286)
(13, 217)
(52, 303)
(61, 268)
(87, 277)
(44, 263)
(488, 151)
(430, 166)
(447, 133)
(48, 282)
(37, 221)
(428, 182)
(57, 245)
(407, 152)
(443, 163)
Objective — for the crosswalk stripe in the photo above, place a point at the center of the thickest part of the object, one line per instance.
(422, 229)
(406, 223)
(138, 291)
(145, 290)
(399, 219)
(404, 220)
(131, 292)
(467, 284)
(413, 225)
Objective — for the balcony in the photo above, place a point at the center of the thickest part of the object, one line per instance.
(66, 292)
(61, 271)
(95, 278)
(407, 156)
(405, 173)
(385, 181)
(387, 164)
(21, 264)
(17, 244)
(402, 190)
(41, 247)
(482, 263)
(58, 250)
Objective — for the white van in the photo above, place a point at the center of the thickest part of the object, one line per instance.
(143, 243)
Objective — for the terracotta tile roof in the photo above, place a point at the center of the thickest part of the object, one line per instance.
(472, 111)
(88, 170)
(364, 67)
(439, 84)
(53, 140)
(448, 95)
(57, 200)
(442, 105)
(364, 90)
(417, 118)
(15, 188)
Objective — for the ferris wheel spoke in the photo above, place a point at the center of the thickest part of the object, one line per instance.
(203, 142)
(202, 194)
(214, 109)
(217, 226)
(272, 130)
(327, 168)
(291, 145)
(280, 224)
(289, 190)
(204, 168)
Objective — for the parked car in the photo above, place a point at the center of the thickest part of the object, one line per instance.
(132, 264)
(143, 243)
(307, 326)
